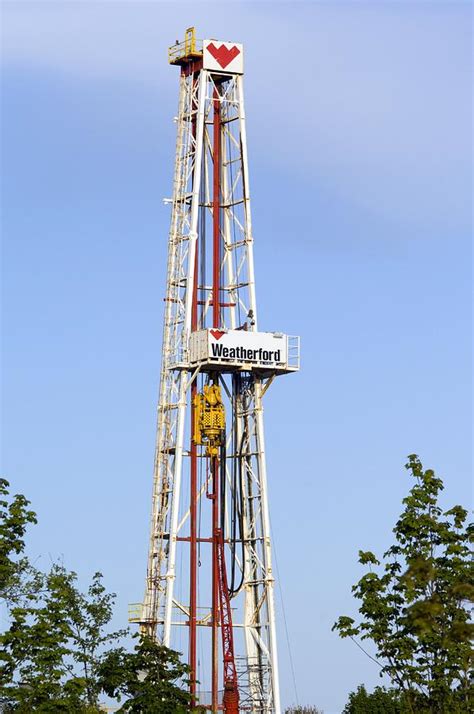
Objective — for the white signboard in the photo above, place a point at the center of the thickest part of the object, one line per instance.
(262, 349)
(223, 56)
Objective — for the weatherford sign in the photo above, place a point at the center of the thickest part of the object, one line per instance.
(264, 350)
(223, 56)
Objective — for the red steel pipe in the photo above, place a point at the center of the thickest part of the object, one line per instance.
(216, 318)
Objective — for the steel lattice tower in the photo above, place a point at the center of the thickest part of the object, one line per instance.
(210, 570)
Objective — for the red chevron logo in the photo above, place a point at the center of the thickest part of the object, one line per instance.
(222, 54)
(217, 334)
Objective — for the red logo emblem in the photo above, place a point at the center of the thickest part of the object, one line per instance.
(222, 54)
(217, 334)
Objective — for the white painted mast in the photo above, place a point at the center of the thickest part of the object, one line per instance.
(210, 337)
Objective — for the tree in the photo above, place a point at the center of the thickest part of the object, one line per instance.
(415, 607)
(150, 674)
(87, 616)
(34, 670)
(381, 701)
(51, 651)
(14, 519)
(52, 655)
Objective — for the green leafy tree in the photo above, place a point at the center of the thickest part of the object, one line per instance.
(15, 516)
(53, 655)
(415, 606)
(380, 701)
(35, 674)
(51, 652)
(151, 678)
(88, 616)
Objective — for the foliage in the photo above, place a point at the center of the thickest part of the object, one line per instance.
(14, 519)
(415, 608)
(381, 701)
(50, 653)
(52, 656)
(150, 674)
(303, 710)
(88, 616)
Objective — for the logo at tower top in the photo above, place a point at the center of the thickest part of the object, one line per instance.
(223, 56)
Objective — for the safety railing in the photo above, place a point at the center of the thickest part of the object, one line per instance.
(293, 352)
(190, 47)
(135, 612)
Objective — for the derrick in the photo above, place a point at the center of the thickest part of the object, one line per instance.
(210, 562)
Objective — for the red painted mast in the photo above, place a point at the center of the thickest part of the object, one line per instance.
(231, 691)
(221, 609)
(216, 316)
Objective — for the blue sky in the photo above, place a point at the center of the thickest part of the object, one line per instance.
(359, 135)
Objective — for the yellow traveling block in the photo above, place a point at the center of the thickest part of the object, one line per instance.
(209, 419)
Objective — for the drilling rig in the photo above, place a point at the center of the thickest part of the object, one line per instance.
(210, 583)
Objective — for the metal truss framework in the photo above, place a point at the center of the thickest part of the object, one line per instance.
(202, 94)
